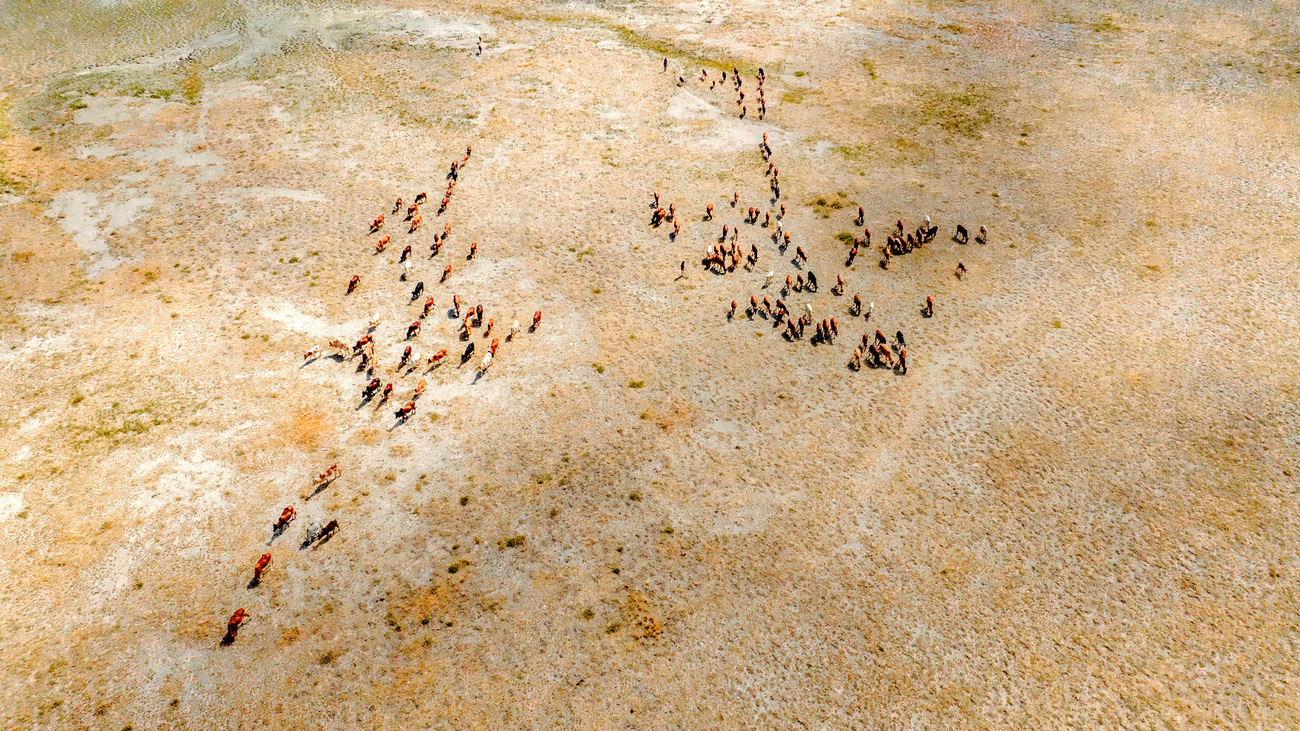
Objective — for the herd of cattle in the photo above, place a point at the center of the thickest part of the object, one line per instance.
(723, 256)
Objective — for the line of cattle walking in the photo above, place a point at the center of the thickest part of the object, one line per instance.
(410, 362)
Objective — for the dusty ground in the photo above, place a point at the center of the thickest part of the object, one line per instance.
(1076, 510)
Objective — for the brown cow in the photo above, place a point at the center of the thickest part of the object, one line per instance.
(286, 516)
(352, 285)
(377, 224)
(232, 625)
(446, 272)
(438, 356)
(259, 567)
(537, 319)
(379, 247)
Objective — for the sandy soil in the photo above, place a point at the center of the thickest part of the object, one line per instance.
(1077, 509)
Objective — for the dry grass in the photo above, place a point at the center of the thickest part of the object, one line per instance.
(1078, 493)
(309, 428)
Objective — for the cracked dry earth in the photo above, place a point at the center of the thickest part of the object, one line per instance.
(1076, 510)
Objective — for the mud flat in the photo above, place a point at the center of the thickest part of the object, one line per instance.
(1075, 510)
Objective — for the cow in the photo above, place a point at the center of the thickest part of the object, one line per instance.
(379, 246)
(961, 236)
(413, 330)
(415, 223)
(330, 474)
(286, 516)
(537, 320)
(436, 357)
(232, 625)
(446, 272)
(415, 293)
(259, 567)
(405, 412)
(352, 284)
(377, 224)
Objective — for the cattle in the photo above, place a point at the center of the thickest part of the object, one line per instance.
(232, 625)
(286, 516)
(405, 412)
(259, 567)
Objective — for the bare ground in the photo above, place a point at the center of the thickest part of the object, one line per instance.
(1075, 510)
